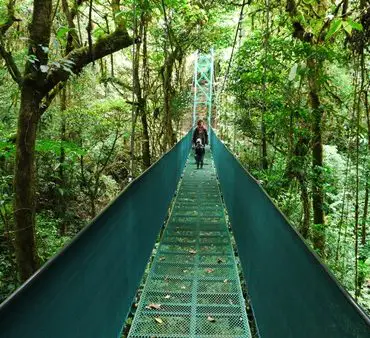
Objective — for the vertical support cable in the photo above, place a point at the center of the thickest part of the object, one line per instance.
(263, 149)
(210, 88)
(133, 111)
(239, 45)
(195, 88)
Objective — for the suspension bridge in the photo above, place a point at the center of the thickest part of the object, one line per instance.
(192, 286)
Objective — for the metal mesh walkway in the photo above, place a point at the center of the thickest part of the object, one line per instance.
(193, 288)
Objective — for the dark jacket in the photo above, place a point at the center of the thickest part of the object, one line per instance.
(199, 149)
(202, 134)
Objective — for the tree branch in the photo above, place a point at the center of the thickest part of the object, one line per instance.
(11, 65)
(76, 60)
(11, 18)
(117, 81)
(50, 97)
(7, 56)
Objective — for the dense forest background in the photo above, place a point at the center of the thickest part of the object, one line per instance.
(93, 92)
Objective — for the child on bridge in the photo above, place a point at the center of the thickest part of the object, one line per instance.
(199, 153)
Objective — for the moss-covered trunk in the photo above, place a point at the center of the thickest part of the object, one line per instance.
(318, 233)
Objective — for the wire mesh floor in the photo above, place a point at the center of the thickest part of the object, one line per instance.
(193, 288)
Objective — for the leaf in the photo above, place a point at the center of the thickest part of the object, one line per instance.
(99, 32)
(61, 191)
(62, 31)
(44, 68)
(153, 306)
(226, 281)
(167, 296)
(220, 260)
(334, 27)
(158, 320)
(347, 27)
(355, 25)
(209, 270)
(293, 72)
(211, 319)
(192, 251)
(162, 259)
(45, 49)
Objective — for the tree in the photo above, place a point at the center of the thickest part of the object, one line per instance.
(39, 84)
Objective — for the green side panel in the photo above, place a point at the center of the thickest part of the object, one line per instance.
(193, 288)
(87, 289)
(292, 293)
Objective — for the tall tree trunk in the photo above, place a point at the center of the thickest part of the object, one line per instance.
(305, 226)
(38, 88)
(296, 169)
(145, 143)
(367, 185)
(264, 162)
(24, 184)
(29, 114)
(62, 186)
(317, 158)
(144, 120)
(169, 135)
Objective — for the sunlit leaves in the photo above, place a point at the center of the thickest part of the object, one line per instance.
(348, 25)
(335, 26)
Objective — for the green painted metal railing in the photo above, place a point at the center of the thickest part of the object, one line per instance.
(88, 288)
(292, 293)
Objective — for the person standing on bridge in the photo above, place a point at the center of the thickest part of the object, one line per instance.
(200, 137)
(200, 132)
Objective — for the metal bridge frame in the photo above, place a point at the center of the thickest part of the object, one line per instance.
(203, 87)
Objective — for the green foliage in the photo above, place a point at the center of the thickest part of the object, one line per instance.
(48, 238)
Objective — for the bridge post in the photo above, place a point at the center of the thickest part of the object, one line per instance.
(203, 87)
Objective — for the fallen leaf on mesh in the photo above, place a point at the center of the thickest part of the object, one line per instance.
(192, 251)
(185, 271)
(226, 281)
(209, 270)
(167, 297)
(153, 306)
(211, 319)
(183, 287)
(158, 320)
(220, 260)
(231, 302)
(162, 258)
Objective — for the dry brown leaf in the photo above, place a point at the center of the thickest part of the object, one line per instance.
(153, 306)
(211, 319)
(158, 320)
(209, 270)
